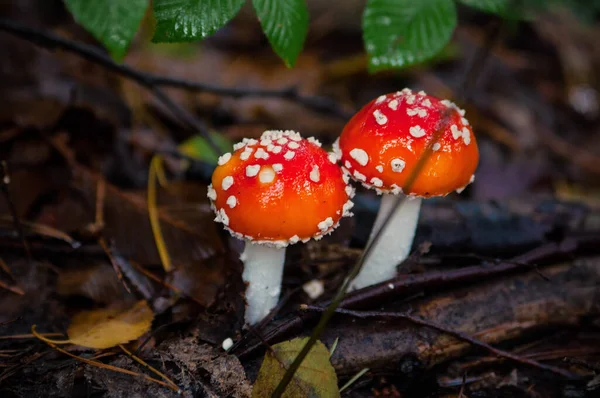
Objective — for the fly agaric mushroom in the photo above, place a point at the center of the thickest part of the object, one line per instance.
(381, 146)
(272, 192)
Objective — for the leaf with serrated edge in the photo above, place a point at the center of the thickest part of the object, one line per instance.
(110, 327)
(112, 22)
(191, 20)
(315, 376)
(399, 33)
(285, 23)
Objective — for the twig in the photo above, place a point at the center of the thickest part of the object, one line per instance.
(14, 289)
(4, 183)
(161, 246)
(103, 365)
(476, 67)
(449, 331)
(152, 369)
(461, 393)
(116, 267)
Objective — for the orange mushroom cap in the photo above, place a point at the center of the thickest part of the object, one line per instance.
(279, 190)
(381, 145)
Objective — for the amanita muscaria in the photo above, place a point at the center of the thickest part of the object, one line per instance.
(380, 147)
(273, 192)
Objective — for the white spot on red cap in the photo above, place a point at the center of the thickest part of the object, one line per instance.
(436, 146)
(246, 154)
(397, 165)
(379, 168)
(410, 99)
(466, 135)
(276, 149)
(393, 104)
(211, 193)
(376, 182)
(456, 133)
(261, 154)
(325, 224)
(380, 99)
(265, 142)
(360, 155)
(222, 217)
(417, 131)
(472, 179)
(277, 167)
(349, 191)
(315, 175)
(295, 239)
(231, 201)
(348, 164)
(416, 111)
(252, 170)
(224, 159)
(289, 155)
(426, 103)
(266, 175)
(422, 93)
(294, 145)
(332, 157)
(282, 141)
(227, 183)
(380, 118)
(359, 176)
(464, 121)
(314, 141)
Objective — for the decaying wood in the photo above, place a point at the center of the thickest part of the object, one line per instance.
(495, 311)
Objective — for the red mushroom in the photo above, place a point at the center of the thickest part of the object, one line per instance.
(272, 192)
(380, 147)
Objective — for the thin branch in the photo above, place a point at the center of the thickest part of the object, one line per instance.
(451, 332)
(51, 41)
(4, 184)
(153, 81)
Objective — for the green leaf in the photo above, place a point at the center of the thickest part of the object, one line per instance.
(191, 20)
(315, 377)
(196, 147)
(399, 33)
(285, 23)
(491, 6)
(112, 22)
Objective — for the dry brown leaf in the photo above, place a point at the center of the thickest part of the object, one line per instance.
(110, 327)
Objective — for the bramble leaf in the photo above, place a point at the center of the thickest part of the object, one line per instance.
(399, 33)
(191, 20)
(112, 22)
(285, 23)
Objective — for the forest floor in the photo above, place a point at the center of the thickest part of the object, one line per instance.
(503, 287)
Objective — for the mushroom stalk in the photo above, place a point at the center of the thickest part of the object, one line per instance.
(263, 271)
(394, 243)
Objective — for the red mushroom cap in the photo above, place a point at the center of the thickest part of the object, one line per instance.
(381, 145)
(280, 189)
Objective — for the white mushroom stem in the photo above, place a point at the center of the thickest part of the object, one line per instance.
(394, 243)
(263, 271)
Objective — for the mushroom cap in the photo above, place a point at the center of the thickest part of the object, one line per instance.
(381, 145)
(279, 190)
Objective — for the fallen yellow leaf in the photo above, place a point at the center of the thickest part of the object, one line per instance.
(315, 376)
(110, 327)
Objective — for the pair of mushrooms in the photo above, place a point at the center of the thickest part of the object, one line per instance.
(283, 189)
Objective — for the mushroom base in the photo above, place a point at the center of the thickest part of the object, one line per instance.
(263, 271)
(394, 243)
